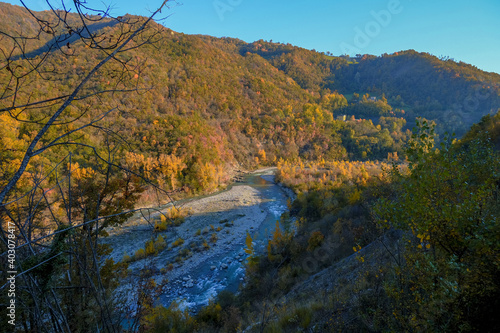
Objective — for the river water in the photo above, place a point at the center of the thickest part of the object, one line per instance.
(206, 280)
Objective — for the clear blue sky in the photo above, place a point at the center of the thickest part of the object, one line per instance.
(465, 30)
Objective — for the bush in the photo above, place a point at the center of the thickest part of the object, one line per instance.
(170, 319)
(214, 238)
(315, 240)
(299, 317)
(140, 254)
(185, 253)
(150, 248)
(160, 244)
(176, 215)
(211, 315)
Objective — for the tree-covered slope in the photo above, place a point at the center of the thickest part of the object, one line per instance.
(253, 103)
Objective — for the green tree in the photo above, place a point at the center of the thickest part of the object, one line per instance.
(56, 211)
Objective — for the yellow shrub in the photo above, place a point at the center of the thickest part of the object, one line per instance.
(354, 197)
(150, 248)
(160, 244)
(213, 238)
(315, 240)
(176, 215)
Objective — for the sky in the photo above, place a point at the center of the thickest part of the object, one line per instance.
(464, 30)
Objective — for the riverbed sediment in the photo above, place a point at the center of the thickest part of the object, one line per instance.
(221, 221)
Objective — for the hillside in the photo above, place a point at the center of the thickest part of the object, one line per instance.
(267, 99)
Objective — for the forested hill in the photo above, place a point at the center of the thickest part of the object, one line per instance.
(393, 227)
(212, 102)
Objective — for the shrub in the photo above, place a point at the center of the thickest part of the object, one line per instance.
(139, 254)
(150, 248)
(315, 240)
(213, 238)
(171, 319)
(160, 244)
(185, 253)
(178, 242)
(211, 315)
(162, 225)
(176, 215)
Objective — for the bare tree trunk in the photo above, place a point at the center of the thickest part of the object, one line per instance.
(51, 223)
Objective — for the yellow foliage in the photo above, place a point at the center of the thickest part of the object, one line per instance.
(354, 197)
(162, 226)
(209, 176)
(277, 234)
(139, 254)
(80, 173)
(335, 173)
(159, 244)
(150, 248)
(315, 240)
